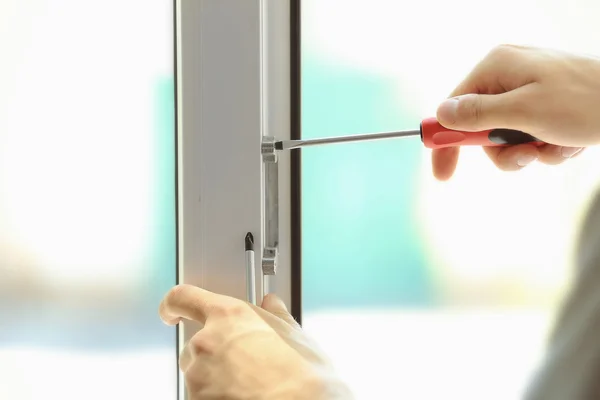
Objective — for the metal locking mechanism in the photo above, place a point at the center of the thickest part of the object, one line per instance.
(270, 252)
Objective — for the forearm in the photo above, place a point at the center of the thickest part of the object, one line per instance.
(571, 369)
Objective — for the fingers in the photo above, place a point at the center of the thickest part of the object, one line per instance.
(515, 158)
(477, 112)
(196, 304)
(185, 359)
(512, 158)
(276, 306)
(275, 313)
(192, 303)
(444, 161)
(554, 155)
(184, 302)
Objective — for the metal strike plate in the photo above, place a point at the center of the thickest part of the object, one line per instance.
(271, 206)
(267, 149)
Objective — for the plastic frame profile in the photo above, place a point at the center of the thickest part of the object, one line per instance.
(232, 88)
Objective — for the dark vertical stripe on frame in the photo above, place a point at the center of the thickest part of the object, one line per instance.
(295, 178)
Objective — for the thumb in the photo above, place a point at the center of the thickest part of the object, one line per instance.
(276, 306)
(478, 112)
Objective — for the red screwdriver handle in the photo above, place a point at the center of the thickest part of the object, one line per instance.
(435, 136)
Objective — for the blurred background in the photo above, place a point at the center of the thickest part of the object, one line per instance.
(419, 289)
(87, 199)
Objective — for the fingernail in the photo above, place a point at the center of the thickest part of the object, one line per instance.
(447, 111)
(524, 161)
(568, 152)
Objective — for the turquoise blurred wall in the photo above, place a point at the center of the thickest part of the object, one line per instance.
(358, 223)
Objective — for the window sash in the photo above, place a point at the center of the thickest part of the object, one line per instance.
(234, 86)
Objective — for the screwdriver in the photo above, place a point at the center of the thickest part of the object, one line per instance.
(433, 135)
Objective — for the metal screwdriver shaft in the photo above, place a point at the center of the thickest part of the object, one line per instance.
(296, 144)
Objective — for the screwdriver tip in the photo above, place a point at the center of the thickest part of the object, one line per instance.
(249, 242)
(278, 145)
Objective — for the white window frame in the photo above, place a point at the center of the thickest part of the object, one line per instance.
(235, 83)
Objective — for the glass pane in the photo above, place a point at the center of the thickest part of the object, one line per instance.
(87, 199)
(417, 288)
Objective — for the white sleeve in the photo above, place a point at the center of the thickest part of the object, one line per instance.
(571, 368)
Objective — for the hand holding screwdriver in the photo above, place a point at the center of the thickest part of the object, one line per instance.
(551, 95)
